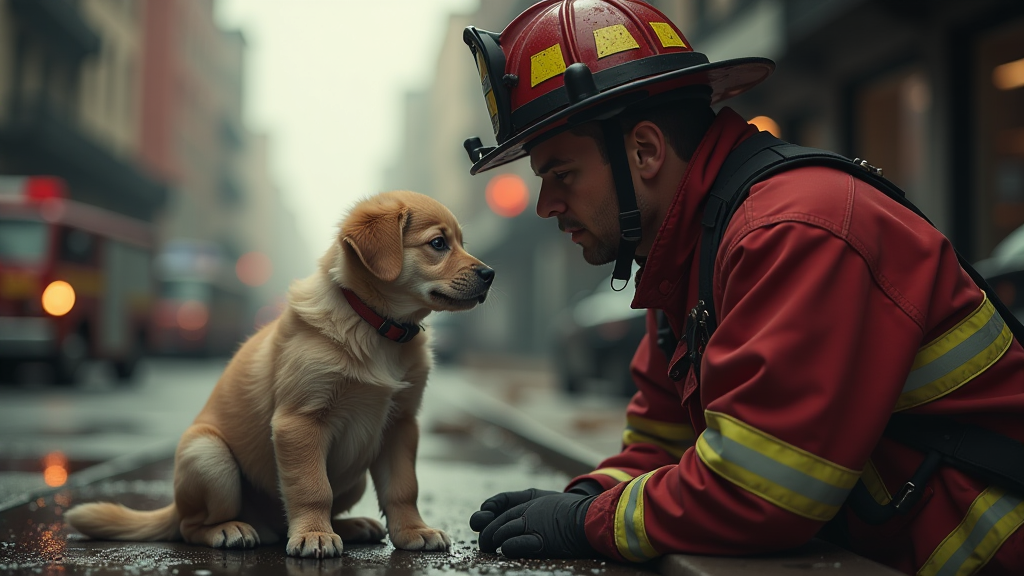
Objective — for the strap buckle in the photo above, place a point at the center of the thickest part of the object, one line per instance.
(905, 499)
(629, 223)
(868, 167)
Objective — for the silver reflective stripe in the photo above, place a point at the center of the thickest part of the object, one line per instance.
(988, 520)
(635, 493)
(777, 472)
(957, 356)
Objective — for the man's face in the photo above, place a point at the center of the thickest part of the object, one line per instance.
(577, 188)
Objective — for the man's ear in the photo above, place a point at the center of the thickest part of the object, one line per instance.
(646, 148)
(375, 235)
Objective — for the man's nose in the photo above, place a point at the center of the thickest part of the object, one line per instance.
(549, 204)
(486, 274)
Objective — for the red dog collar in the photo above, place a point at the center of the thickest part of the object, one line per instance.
(398, 331)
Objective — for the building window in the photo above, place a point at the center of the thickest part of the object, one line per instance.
(999, 102)
(892, 128)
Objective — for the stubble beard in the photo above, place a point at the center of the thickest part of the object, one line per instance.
(601, 253)
(606, 244)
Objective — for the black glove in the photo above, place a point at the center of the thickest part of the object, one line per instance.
(501, 502)
(539, 524)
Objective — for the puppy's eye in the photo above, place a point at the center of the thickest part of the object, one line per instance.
(439, 243)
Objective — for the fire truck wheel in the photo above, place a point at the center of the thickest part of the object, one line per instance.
(69, 359)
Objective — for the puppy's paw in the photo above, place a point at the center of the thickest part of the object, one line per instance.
(230, 535)
(420, 539)
(314, 545)
(359, 529)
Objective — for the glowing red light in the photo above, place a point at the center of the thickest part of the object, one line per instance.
(254, 268)
(192, 315)
(507, 195)
(45, 188)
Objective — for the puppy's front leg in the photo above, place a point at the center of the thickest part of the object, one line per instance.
(394, 478)
(300, 447)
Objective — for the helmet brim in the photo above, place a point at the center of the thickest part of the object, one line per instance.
(726, 79)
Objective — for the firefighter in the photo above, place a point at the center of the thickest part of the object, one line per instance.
(837, 308)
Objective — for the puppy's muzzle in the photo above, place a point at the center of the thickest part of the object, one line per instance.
(485, 276)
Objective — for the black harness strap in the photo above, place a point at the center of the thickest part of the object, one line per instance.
(629, 215)
(983, 453)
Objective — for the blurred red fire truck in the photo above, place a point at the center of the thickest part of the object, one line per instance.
(201, 307)
(76, 281)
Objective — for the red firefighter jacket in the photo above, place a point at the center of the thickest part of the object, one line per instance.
(837, 307)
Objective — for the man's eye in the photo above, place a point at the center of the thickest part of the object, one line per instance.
(560, 175)
(439, 243)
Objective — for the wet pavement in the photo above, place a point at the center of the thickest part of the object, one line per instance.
(486, 428)
(462, 461)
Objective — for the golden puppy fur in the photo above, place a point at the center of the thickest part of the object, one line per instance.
(317, 397)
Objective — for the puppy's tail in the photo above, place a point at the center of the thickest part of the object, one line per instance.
(107, 521)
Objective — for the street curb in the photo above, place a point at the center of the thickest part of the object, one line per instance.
(102, 471)
(555, 449)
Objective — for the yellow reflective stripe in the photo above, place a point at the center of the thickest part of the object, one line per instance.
(674, 438)
(873, 482)
(992, 518)
(665, 430)
(630, 533)
(676, 449)
(781, 473)
(957, 357)
(620, 475)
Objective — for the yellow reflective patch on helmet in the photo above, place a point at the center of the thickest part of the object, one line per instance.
(613, 39)
(546, 64)
(667, 35)
(485, 85)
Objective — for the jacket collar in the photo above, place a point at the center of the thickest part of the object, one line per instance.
(664, 277)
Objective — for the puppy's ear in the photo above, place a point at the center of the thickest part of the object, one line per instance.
(376, 237)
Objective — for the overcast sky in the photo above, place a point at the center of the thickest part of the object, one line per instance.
(325, 78)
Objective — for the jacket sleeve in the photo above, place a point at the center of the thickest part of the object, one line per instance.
(658, 430)
(798, 382)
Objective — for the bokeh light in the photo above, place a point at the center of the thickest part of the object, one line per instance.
(507, 195)
(58, 298)
(766, 124)
(192, 315)
(254, 268)
(55, 469)
(1009, 76)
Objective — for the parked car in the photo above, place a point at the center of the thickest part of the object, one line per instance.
(595, 338)
(1004, 271)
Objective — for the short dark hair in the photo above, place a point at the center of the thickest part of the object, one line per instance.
(684, 123)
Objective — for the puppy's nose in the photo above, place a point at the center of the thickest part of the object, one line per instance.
(486, 274)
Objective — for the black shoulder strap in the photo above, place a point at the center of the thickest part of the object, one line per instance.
(993, 457)
(764, 155)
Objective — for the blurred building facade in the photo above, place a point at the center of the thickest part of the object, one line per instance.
(932, 92)
(68, 102)
(138, 105)
(907, 84)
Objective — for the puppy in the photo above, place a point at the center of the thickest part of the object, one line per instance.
(318, 397)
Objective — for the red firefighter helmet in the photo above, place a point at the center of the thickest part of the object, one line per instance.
(565, 62)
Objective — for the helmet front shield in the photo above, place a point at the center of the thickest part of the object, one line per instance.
(490, 63)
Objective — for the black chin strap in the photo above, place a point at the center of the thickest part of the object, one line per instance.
(629, 215)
